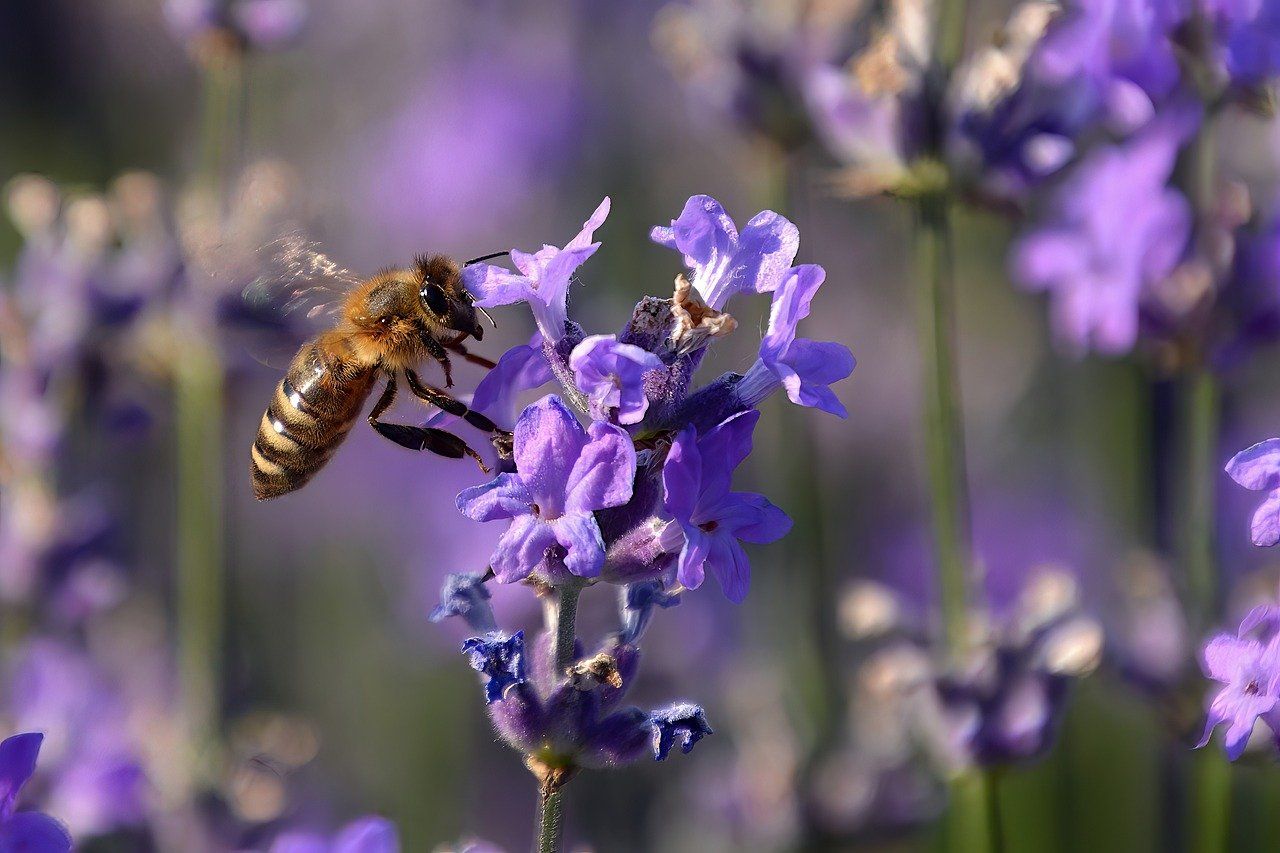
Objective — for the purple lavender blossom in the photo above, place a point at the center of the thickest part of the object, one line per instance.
(1111, 232)
(638, 603)
(25, 831)
(563, 473)
(544, 277)
(683, 722)
(1257, 468)
(371, 834)
(805, 368)
(723, 261)
(1248, 667)
(611, 374)
(1247, 39)
(499, 659)
(465, 594)
(696, 482)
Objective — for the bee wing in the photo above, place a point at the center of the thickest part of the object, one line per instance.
(300, 286)
(297, 279)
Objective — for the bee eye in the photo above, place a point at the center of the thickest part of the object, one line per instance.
(434, 299)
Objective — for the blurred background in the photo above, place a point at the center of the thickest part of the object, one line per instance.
(137, 571)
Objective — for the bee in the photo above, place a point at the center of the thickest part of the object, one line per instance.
(384, 327)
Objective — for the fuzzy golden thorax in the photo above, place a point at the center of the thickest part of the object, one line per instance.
(391, 316)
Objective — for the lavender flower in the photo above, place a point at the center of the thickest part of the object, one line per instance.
(370, 834)
(1249, 669)
(684, 722)
(563, 473)
(723, 261)
(1257, 468)
(521, 368)
(1113, 230)
(696, 493)
(638, 603)
(611, 374)
(259, 24)
(28, 831)
(544, 278)
(805, 368)
(499, 659)
(464, 594)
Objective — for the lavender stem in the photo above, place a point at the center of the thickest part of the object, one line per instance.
(561, 618)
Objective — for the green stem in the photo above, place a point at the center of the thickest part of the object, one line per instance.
(1212, 803)
(562, 615)
(1199, 429)
(198, 403)
(550, 822)
(944, 432)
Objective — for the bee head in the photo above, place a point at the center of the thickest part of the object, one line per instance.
(443, 296)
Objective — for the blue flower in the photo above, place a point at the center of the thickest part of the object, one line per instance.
(464, 594)
(723, 261)
(499, 659)
(563, 473)
(683, 721)
(25, 831)
(805, 368)
(638, 603)
(612, 376)
(521, 368)
(696, 479)
(544, 277)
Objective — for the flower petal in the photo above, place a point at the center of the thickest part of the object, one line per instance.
(766, 248)
(580, 535)
(503, 497)
(1265, 527)
(492, 285)
(723, 448)
(548, 440)
(17, 762)
(1257, 468)
(682, 476)
(690, 567)
(522, 549)
(807, 370)
(1225, 656)
(605, 472)
(32, 832)
(728, 562)
(521, 368)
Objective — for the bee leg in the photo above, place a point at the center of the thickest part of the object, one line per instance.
(437, 351)
(434, 440)
(461, 350)
(446, 403)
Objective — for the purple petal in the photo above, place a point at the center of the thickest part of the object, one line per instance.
(690, 569)
(521, 368)
(521, 549)
(1225, 656)
(682, 476)
(1043, 258)
(589, 227)
(368, 835)
(580, 535)
(270, 23)
(768, 244)
(807, 370)
(791, 304)
(504, 497)
(723, 449)
(1265, 527)
(611, 374)
(605, 472)
(494, 286)
(18, 756)
(702, 233)
(548, 441)
(762, 523)
(1257, 468)
(728, 562)
(32, 832)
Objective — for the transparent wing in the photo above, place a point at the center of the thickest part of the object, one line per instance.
(297, 279)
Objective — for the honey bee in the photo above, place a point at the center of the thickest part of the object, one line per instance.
(384, 327)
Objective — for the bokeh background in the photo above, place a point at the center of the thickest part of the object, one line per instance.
(389, 128)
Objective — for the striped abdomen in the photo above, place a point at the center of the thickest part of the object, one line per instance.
(313, 409)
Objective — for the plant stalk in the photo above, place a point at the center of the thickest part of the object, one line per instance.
(562, 615)
(944, 431)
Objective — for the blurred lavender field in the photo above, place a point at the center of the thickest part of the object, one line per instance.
(1004, 576)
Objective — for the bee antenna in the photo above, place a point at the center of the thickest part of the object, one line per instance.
(486, 316)
(486, 258)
